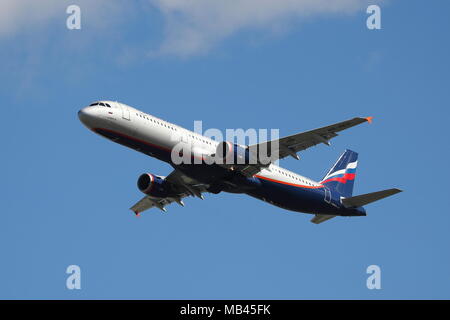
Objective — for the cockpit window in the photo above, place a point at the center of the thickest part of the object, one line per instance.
(100, 104)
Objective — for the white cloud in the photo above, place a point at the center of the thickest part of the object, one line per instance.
(15, 15)
(195, 26)
(29, 15)
(191, 26)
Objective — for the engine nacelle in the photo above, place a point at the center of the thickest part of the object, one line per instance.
(154, 186)
(232, 154)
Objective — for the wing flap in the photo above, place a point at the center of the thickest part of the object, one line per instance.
(142, 205)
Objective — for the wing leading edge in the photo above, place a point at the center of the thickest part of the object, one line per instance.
(291, 145)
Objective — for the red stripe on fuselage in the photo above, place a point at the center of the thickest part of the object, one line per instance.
(133, 138)
(140, 141)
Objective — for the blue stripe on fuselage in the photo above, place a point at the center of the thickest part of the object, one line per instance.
(300, 199)
(292, 198)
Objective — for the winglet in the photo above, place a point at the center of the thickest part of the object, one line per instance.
(369, 119)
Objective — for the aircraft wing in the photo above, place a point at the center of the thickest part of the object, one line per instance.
(184, 187)
(290, 145)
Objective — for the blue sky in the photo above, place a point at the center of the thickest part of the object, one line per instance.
(66, 192)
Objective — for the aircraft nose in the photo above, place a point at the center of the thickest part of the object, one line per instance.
(86, 116)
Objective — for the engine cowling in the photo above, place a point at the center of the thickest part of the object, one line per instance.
(153, 185)
(232, 154)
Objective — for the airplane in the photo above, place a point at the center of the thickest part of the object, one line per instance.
(325, 199)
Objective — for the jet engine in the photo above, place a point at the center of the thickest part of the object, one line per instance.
(154, 186)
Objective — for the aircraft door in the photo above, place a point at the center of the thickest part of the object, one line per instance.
(125, 112)
(327, 195)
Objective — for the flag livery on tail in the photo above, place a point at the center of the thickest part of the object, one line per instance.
(341, 176)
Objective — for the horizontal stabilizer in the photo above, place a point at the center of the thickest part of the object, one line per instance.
(362, 200)
(319, 218)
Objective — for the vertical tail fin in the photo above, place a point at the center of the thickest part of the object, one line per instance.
(341, 176)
